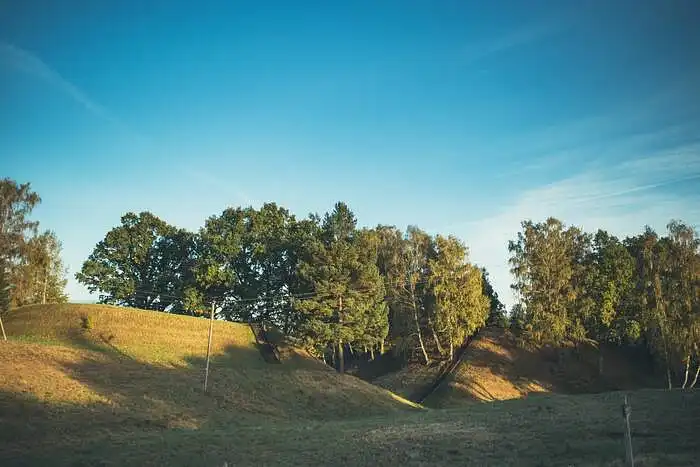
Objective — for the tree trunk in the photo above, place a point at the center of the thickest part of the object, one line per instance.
(435, 336)
(668, 376)
(341, 358)
(452, 349)
(46, 280)
(381, 348)
(371, 353)
(687, 370)
(695, 380)
(420, 335)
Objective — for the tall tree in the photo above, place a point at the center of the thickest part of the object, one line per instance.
(683, 284)
(32, 268)
(39, 277)
(547, 263)
(497, 310)
(608, 284)
(143, 263)
(403, 262)
(413, 293)
(460, 305)
(348, 302)
(16, 203)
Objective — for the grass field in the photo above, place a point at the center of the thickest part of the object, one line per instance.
(128, 391)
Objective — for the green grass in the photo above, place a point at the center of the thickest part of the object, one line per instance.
(548, 431)
(128, 392)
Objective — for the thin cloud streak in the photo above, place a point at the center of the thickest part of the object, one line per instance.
(24, 61)
(621, 199)
(19, 59)
(522, 36)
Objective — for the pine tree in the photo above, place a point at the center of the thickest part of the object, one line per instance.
(348, 306)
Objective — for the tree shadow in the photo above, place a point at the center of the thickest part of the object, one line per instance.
(120, 395)
(496, 367)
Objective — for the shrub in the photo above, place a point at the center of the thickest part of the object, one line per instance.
(86, 323)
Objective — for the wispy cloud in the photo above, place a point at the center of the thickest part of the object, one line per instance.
(24, 61)
(521, 36)
(620, 198)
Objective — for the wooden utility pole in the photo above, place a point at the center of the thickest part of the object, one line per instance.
(211, 331)
(626, 410)
(4, 336)
(43, 295)
(341, 357)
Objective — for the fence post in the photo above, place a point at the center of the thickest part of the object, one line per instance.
(211, 331)
(626, 410)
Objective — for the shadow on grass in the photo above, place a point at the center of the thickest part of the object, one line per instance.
(494, 365)
(141, 397)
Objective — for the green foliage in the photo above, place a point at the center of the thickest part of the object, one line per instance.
(40, 274)
(144, 263)
(86, 323)
(457, 286)
(348, 303)
(32, 263)
(497, 311)
(643, 290)
(547, 260)
(16, 204)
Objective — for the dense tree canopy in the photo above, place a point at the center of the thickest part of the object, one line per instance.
(31, 269)
(644, 290)
(342, 291)
(346, 292)
(144, 263)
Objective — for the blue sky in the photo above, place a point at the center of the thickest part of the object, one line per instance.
(460, 117)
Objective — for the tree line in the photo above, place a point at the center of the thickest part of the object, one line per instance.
(31, 269)
(338, 289)
(333, 287)
(643, 290)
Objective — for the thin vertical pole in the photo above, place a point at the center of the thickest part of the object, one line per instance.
(211, 331)
(626, 409)
(4, 336)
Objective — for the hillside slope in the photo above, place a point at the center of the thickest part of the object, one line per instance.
(494, 368)
(143, 370)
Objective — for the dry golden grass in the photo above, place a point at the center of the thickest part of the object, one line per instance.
(144, 335)
(495, 368)
(128, 392)
(142, 370)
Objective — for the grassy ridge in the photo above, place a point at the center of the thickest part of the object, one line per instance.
(495, 368)
(128, 392)
(141, 372)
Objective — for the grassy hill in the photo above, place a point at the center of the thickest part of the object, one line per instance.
(142, 370)
(495, 368)
(127, 391)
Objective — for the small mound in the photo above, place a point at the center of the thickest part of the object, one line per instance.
(411, 380)
(494, 368)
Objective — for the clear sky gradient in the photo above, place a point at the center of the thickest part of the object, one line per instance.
(460, 117)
